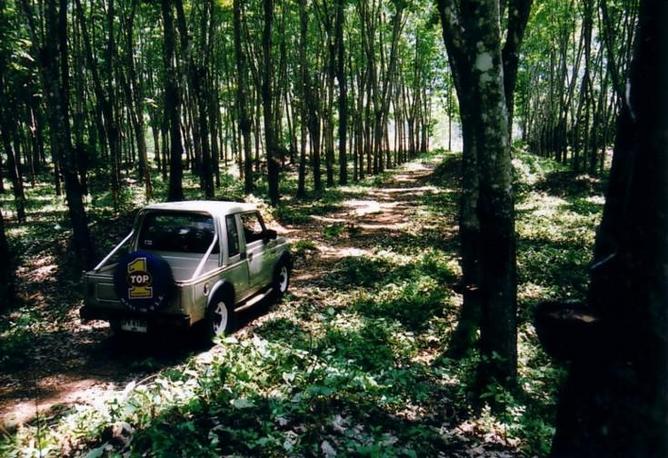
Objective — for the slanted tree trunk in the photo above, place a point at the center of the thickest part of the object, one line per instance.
(196, 105)
(324, 14)
(614, 401)
(311, 101)
(518, 16)
(104, 108)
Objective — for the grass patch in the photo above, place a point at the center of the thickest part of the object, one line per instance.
(355, 363)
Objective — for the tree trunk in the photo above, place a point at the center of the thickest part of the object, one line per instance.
(172, 106)
(244, 121)
(135, 104)
(303, 109)
(7, 280)
(343, 92)
(267, 103)
(518, 16)
(498, 327)
(54, 72)
(473, 40)
(614, 401)
(8, 136)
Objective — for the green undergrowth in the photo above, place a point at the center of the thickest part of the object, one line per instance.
(355, 364)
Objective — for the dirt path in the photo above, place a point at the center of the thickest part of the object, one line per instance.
(78, 363)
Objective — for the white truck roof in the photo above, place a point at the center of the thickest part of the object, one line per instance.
(214, 207)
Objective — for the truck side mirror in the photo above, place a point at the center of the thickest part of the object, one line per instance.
(269, 234)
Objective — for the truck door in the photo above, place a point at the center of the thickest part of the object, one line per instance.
(259, 268)
(238, 267)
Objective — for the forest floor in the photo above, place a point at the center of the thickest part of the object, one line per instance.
(353, 361)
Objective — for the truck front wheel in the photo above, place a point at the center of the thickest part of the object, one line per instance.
(281, 280)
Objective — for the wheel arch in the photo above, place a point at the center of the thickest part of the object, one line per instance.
(222, 287)
(285, 258)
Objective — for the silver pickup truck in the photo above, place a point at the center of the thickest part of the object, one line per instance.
(185, 263)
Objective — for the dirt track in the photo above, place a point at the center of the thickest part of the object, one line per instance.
(83, 363)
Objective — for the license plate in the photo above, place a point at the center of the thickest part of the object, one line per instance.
(134, 326)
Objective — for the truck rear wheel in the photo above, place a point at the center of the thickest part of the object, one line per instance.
(221, 319)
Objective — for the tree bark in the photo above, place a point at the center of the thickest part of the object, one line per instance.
(8, 135)
(473, 40)
(498, 336)
(135, 103)
(172, 106)
(7, 279)
(244, 120)
(52, 55)
(267, 103)
(518, 16)
(614, 401)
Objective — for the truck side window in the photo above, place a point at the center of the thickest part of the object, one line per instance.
(232, 236)
(253, 227)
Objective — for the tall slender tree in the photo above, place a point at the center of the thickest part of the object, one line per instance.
(172, 104)
(472, 36)
(7, 280)
(53, 60)
(614, 400)
(267, 101)
(242, 108)
(343, 91)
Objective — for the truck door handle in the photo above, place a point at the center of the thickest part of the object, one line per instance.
(249, 256)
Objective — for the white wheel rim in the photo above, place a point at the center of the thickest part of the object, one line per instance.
(219, 318)
(283, 279)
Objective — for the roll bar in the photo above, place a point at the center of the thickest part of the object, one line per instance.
(113, 252)
(200, 266)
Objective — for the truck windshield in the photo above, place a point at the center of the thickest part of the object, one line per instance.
(179, 232)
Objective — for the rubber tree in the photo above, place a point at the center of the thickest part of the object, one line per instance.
(7, 280)
(242, 108)
(53, 63)
(472, 37)
(614, 401)
(172, 104)
(343, 91)
(267, 102)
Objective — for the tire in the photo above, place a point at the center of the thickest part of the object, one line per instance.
(220, 316)
(281, 279)
(143, 281)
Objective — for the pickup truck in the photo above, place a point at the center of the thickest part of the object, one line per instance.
(186, 263)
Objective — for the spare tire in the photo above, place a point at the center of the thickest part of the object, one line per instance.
(143, 281)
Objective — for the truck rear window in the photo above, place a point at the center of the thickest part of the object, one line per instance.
(179, 232)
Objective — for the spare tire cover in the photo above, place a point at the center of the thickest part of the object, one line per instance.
(143, 281)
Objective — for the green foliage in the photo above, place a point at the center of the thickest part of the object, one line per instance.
(333, 231)
(354, 363)
(15, 338)
(303, 248)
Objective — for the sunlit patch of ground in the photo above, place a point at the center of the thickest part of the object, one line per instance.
(353, 361)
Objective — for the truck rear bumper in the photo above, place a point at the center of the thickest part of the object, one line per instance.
(88, 313)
